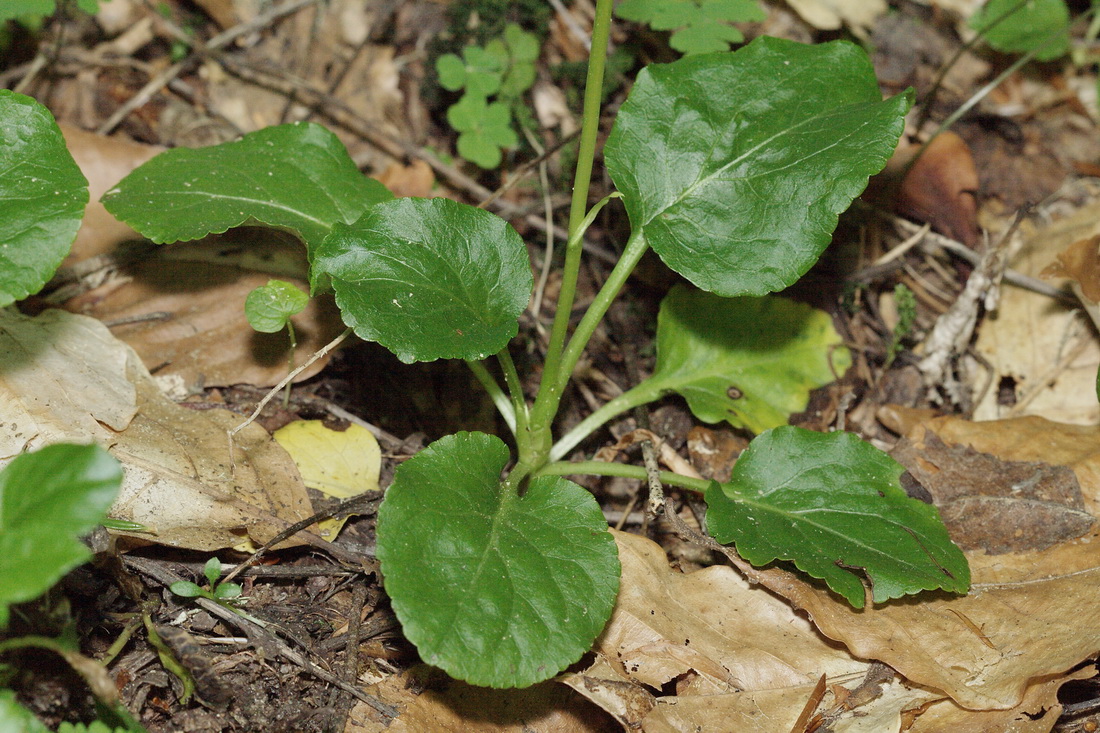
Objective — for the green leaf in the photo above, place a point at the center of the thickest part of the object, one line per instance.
(485, 128)
(296, 177)
(48, 499)
(37, 8)
(518, 80)
(227, 591)
(16, 718)
(833, 505)
(212, 570)
(42, 197)
(186, 589)
(522, 46)
(701, 25)
(484, 70)
(705, 38)
(736, 165)
(428, 278)
(749, 361)
(1040, 25)
(269, 307)
(496, 589)
(452, 72)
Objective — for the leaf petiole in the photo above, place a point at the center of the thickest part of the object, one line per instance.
(621, 470)
(503, 404)
(586, 154)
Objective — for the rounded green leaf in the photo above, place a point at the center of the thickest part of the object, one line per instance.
(227, 591)
(476, 147)
(749, 361)
(736, 165)
(269, 307)
(496, 589)
(48, 499)
(1037, 25)
(42, 197)
(185, 589)
(452, 72)
(833, 505)
(484, 69)
(428, 278)
(522, 46)
(296, 177)
(518, 80)
(705, 37)
(212, 570)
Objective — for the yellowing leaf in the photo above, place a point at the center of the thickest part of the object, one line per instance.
(338, 464)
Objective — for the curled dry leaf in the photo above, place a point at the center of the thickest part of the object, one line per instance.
(1080, 262)
(941, 188)
(741, 658)
(65, 378)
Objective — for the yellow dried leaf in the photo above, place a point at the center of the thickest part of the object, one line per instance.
(338, 464)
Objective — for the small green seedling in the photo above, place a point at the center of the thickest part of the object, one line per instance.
(269, 309)
(906, 304)
(733, 167)
(504, 69)
(698, 26)
(221, 593)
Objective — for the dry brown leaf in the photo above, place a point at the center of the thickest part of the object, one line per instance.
(1036, 713)
(741, 658)
(990, 504)
(1080, 262)
(713, 452)
(830, 15)
(228, 13)
(62, 378)
(206, 339)
(1031, 334)
(104, 161)
(450, 706)
(414, 179)
(940, 188)
(65, 378)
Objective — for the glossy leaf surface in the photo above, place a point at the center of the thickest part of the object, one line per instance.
(495, 589)
(269, 307)
(749, 361)
(48, 499)
(1037, 25)
(428, 278)
(42, 197)
(833, 505)
(296, 177)
(736, 165)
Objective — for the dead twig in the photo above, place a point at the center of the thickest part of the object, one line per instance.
(348, 506)
(253, 630)
(953, 330)
(198, 51)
